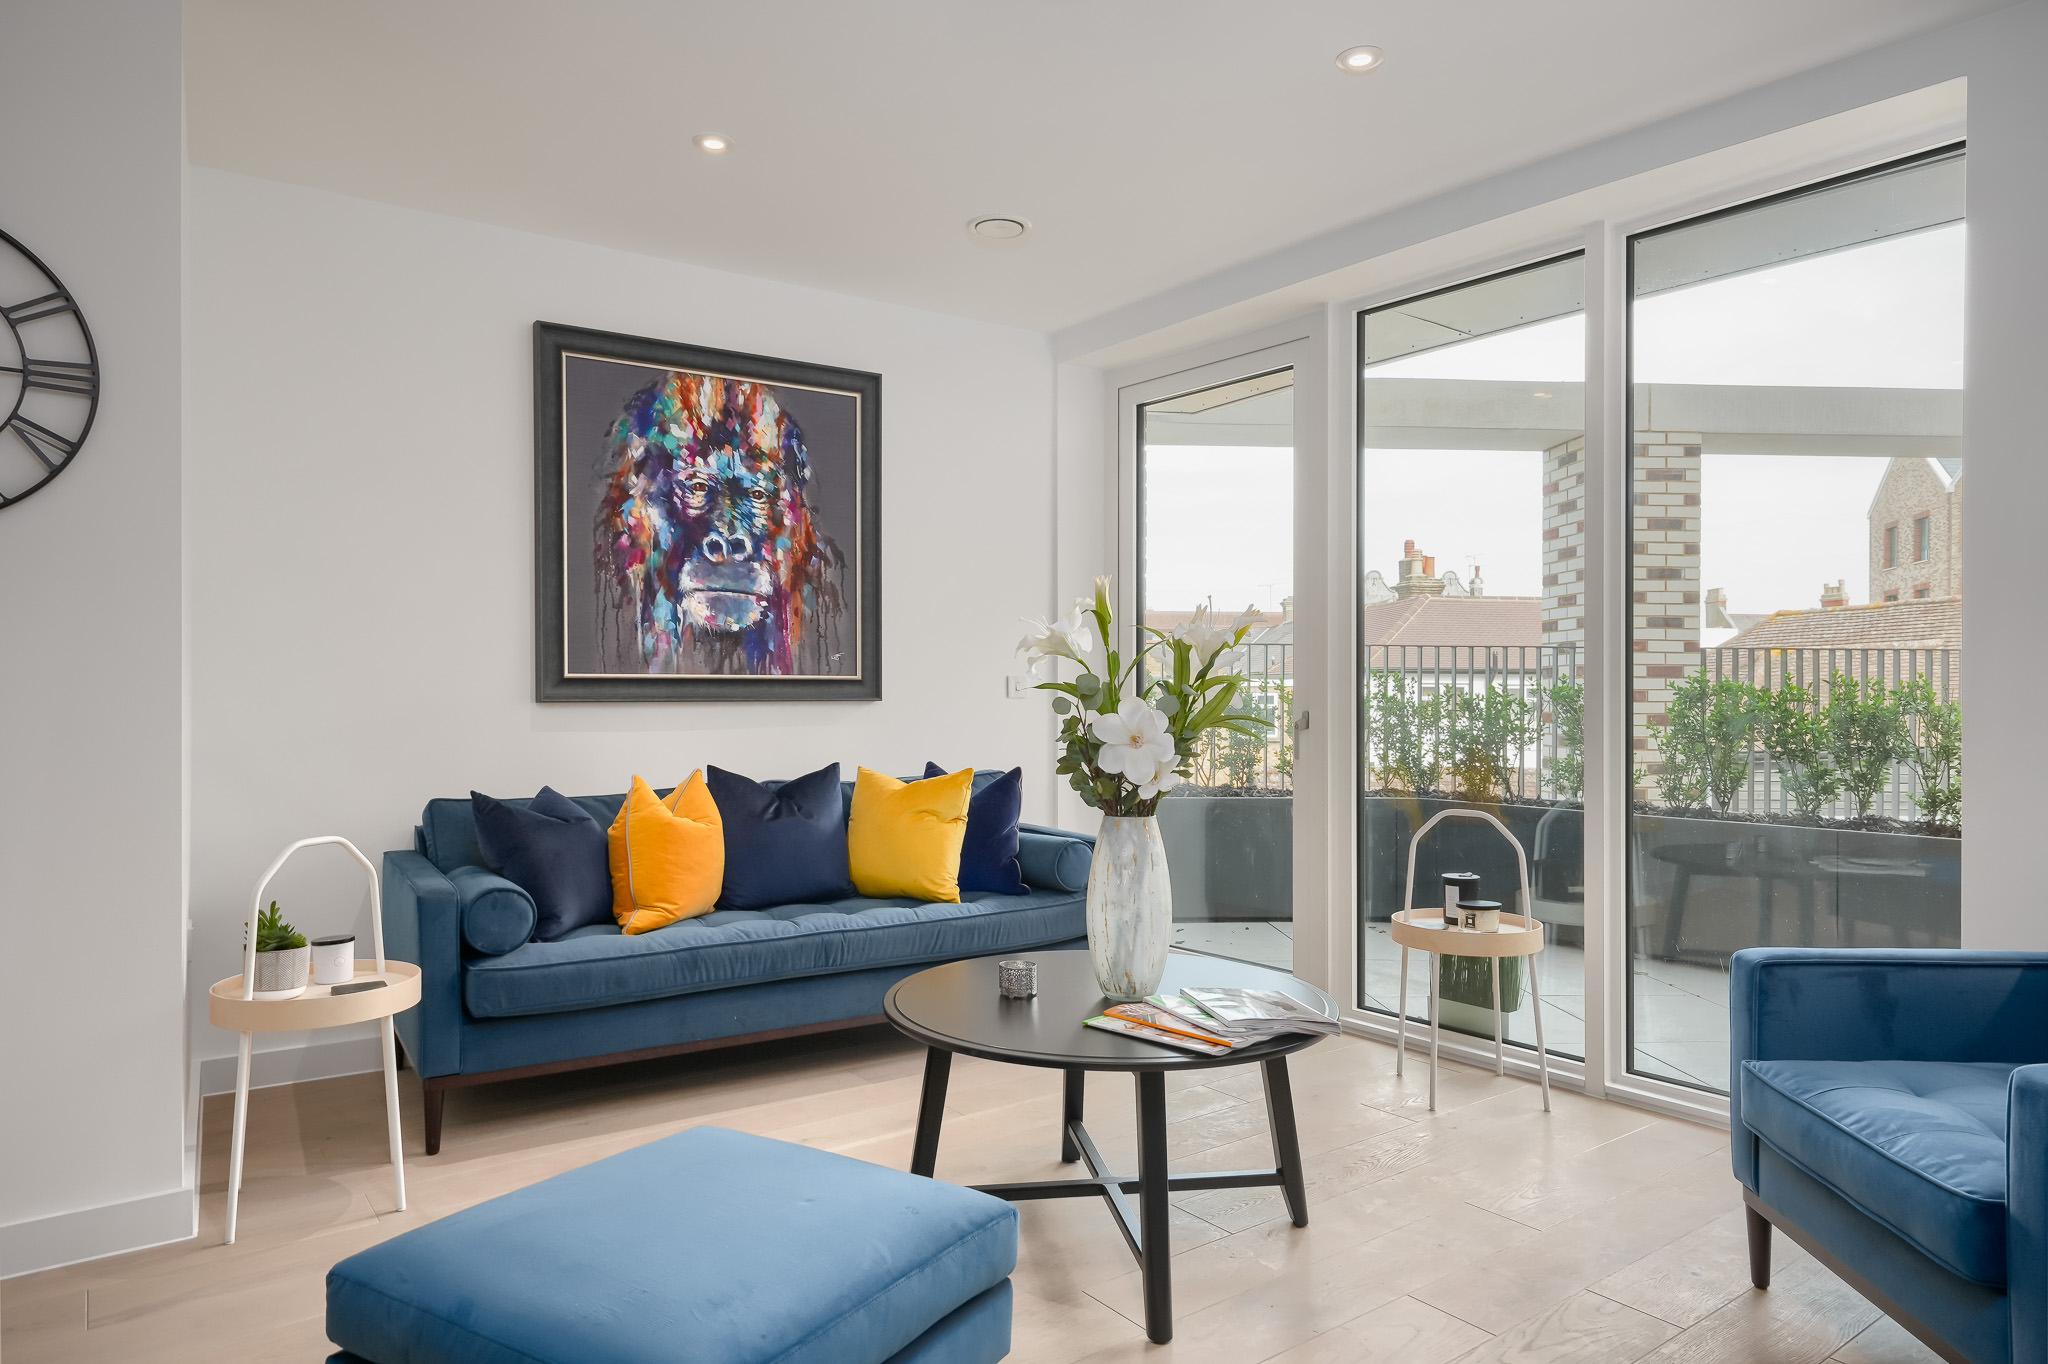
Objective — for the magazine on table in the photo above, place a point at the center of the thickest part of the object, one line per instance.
(1146, 1033)
(1153, 1013)
(1253, 1014)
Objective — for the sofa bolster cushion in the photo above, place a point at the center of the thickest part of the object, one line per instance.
(497, 915)
(1053, 860)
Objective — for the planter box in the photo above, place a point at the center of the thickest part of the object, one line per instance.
(1230, 857)
(1707, 887)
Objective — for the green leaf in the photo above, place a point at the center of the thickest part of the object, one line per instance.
(1061, 705)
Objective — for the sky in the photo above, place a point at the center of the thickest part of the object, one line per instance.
(1773, 528)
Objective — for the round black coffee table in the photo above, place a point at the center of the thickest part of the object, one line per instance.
(957, 1008)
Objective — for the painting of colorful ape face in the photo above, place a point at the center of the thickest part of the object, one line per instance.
(719, 520)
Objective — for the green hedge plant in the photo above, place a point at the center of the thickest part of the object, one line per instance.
(1934, 750)
(1711, 729)
(1796, 739)
(1568, 717)
(1866, 734)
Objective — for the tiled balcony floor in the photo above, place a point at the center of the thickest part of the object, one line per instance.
(1681, 1010)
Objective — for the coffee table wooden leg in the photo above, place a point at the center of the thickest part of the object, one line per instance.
(1156, 1248)
(931, 1111)
(1401, 1028)
(1072, 1093)
(1286, 1142)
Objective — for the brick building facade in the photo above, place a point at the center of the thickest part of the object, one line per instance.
(1916, 531)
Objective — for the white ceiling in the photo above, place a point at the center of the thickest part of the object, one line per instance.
(1148, 141)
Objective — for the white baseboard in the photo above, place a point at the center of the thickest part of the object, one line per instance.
(66, 1238)
(290, 1065)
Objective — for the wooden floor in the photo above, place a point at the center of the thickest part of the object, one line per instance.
(1485, 1232)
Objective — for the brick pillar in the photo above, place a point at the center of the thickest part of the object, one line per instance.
(1664, 614)
(1564, 544)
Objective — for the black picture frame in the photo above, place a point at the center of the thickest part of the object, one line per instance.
(554, 679)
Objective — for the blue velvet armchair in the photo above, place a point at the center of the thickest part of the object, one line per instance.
(1889, 1113)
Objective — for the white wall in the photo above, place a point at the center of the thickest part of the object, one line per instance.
(92, 963)
(361, 474)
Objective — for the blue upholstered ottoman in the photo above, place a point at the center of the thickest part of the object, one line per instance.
(708, 1247)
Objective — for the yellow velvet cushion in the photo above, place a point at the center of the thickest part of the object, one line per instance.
(903, 838)
(668, 856)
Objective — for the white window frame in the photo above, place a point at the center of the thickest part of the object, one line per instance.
(1326, 586)
(1299, 345)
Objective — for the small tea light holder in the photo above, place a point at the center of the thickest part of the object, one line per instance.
(1479, 916)
(1017, 978)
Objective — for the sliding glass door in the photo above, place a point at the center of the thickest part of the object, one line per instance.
(1795, 576)
(1213, 484)
(1471, 596)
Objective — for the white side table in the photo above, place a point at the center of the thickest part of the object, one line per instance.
(231, 1004)
(1519, 935)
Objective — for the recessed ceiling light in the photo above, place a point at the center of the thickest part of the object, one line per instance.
(1000, 228)
(1357, 60)
(1540, 393)
(713, 144)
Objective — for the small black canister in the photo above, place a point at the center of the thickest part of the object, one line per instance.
(1458, 885)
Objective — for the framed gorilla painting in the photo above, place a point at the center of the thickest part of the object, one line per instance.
(707, 524)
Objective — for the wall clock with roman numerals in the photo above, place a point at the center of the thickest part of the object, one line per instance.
(49, 374)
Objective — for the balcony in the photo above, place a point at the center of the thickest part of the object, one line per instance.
(1752, 857)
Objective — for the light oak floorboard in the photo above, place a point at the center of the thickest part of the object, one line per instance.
(1486, 1231)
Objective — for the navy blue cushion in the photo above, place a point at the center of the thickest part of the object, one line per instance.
(784, 844)
(988, 856)
(1053, 860)
(732, 947)
(553, 849)
(497, 915)
(1918, 1146)
(707, 1247)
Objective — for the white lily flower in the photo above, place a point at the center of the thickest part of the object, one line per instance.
(1163, 780)
(1135, 741)
(1072, 638)
(1246, 619)
(1203, 636)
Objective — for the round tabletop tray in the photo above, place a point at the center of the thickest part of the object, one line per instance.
(1425, 929)
(956, 1007)
(319, 1006)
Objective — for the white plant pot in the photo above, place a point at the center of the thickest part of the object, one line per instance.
(282, 975)
(1130, 907)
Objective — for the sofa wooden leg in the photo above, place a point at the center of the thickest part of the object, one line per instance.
(1759, 1247)
(435, 1097)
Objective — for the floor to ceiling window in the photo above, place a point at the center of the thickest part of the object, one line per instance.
(1471, 532)
(1215, 532)
(1795, 575)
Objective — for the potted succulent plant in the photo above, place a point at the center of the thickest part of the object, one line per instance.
(283, 958)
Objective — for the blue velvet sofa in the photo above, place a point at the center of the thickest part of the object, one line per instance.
(496, 1005)
(1889, 1111)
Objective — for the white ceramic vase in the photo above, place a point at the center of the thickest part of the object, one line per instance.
(1130, 907)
